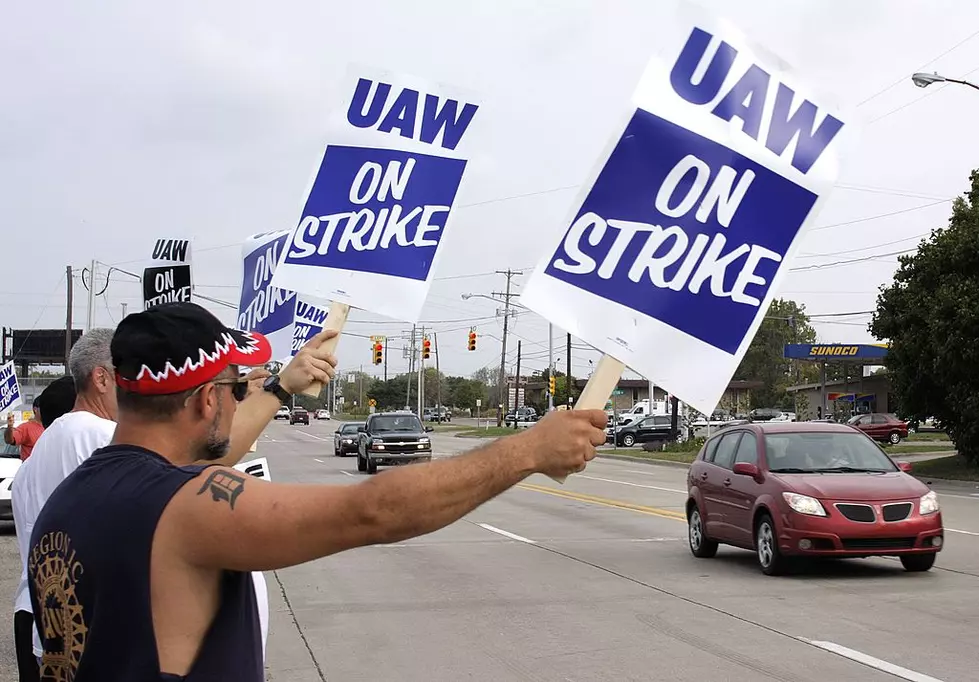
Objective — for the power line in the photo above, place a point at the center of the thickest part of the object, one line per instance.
(880, 215)
(836, 264)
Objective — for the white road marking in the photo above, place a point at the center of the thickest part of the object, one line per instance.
(506, 534)
(634, 485)
(309, 435)
(318, 460)
(964, 532)
(346, 473)
(872, 662)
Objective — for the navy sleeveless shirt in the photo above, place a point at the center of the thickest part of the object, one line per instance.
(89, 579)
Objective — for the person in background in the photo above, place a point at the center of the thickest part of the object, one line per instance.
(57, 399)
(180, 604)
(26, 434)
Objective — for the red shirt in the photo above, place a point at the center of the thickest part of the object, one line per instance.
(26, 436)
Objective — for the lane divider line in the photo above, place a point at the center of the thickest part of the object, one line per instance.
(871, 661)
(964, 532)
(606, 502)
(506, 534)
(634, 485)
(318, 460)
(345, 473)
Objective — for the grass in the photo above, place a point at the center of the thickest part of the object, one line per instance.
(928, 436)
(450, 428)
(491, 432)
(954, 468)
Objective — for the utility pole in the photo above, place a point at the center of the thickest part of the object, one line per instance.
(504, 406)
(438, 376)
(516, 388)
(385, 342)
(550, 364)
(91, 297)
(568, 378)
(421, 376)
(125, 307)
(360, 376)
(68, 320)
(411, 366)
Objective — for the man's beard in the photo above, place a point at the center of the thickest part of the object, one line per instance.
(216, 446)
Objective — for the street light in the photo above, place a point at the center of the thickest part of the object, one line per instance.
(923, 80)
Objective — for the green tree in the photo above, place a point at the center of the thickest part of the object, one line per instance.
(785, 322)
(390, 394)
(930, 316)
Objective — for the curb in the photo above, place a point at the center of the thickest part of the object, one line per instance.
(950, 482)
(645, 460)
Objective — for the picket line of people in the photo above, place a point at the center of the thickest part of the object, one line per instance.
(142, 548)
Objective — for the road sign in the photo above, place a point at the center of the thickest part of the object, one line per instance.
(479, 402)
(618, 391)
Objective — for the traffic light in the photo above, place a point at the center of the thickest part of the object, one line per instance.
(426, 348)
(472, 339)
(551, 385)
(378, 353)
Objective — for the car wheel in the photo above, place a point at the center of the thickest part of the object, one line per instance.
(371, 466)
(361, 465)
(770, 558)
(918, 562)
(894, 438)
(628, 440)
(701, 546)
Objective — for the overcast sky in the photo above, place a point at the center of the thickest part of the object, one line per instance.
(122, 122)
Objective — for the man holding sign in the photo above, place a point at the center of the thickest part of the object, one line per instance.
(180, 601)
(25, 436)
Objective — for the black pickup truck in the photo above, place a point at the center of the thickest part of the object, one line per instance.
(392, 439)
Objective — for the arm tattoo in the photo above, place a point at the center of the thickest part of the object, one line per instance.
(224, 485)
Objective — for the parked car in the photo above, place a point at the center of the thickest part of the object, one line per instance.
(299, 415)
(283, 413)
(345, 438)
(392, 439)
(764, 414)
(883, 427)
(806, 489)
(657, 428)
(321, 414)
(9, 464)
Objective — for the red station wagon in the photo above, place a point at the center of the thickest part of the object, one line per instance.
(883, 427)
(805, 489)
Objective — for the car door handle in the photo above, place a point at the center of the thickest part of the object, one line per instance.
(703, 476)
(727, 481)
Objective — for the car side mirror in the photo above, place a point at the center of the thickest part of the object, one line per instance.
(747, 469)
(904, 466)
(429, 429)
(361, 429)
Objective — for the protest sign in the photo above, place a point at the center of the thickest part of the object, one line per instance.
(168, 279)
(381, 199)
(310, 319)
(262, 307)
(259, 468)
(10, 396)
(679, 239)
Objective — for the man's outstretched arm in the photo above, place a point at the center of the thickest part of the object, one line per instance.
(227, 520)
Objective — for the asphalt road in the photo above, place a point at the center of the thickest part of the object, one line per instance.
(592, 580)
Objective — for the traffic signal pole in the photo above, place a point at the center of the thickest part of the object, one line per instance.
(550, 366)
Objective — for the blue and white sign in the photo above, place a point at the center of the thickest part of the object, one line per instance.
(263, 307)
(382, 196)
(679, 240)
(10, 396)
(310, 319)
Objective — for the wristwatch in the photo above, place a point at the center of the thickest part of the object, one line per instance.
(273, 386)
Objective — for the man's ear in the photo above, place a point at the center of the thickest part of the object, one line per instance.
(207, 401)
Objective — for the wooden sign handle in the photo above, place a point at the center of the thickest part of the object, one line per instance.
(599, 388)
(336, 319)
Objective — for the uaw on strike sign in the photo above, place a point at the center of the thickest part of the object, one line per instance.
(167, 279)
(286, 319)
(381, 199)
(9, 388)
(677, 243)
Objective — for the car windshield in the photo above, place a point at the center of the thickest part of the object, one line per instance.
(855, 418)
(349, 428)
(408, 422)
(825, 452)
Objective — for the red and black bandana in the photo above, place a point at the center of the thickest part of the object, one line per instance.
(175, 347)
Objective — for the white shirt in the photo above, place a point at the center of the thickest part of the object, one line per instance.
(63, 446)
